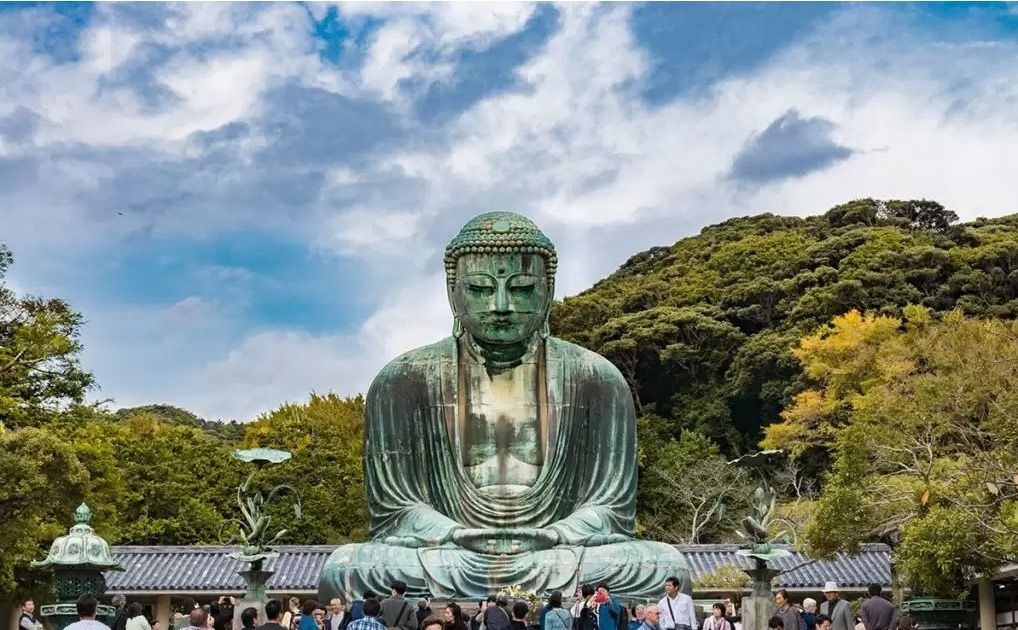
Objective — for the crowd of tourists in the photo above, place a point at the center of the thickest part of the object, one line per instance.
(592, 608)
(876, 613)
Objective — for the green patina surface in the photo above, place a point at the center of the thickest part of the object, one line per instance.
(77, 561)
(500, 456)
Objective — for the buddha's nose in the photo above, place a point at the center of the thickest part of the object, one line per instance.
(502, 305)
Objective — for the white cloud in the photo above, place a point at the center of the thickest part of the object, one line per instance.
(572, 145)
(271, 367)
(417, 42)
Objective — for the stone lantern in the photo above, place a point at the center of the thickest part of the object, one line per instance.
(77, 561)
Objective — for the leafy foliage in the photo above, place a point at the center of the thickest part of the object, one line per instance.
(43, 483)
(688, 493)
(39, 345)
(703, 329)
(921, 418)
(325, 436)
(153, 482)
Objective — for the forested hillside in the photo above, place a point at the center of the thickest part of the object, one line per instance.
(720, 336)
(703, 329)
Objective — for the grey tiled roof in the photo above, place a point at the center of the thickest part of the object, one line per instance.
(871, 565)
(208, 569)
(201, 568)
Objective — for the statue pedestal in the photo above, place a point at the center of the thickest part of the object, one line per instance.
(255, 596)
(758, 607)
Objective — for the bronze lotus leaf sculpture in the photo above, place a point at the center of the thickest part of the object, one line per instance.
(254, 529)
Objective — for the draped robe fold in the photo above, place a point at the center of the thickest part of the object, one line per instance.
(418, 491)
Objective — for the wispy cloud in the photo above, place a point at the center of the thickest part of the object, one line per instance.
(249, 201)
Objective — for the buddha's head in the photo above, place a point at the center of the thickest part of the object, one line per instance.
(501, 276)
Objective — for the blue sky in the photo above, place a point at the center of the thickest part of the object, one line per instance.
(249, 202)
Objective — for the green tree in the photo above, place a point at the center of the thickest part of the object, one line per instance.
(772, 280)
(43, 483)
(919, 418)
(39, 345)
(688, 492)
(153, 482)
(326, 437)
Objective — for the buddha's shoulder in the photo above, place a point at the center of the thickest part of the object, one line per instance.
(419, 360)
(579, 357)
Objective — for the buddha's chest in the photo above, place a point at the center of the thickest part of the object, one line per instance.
(501, 428)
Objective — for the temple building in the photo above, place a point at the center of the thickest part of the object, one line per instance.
(166, 578)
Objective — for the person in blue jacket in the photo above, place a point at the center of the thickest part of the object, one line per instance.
(609, 611)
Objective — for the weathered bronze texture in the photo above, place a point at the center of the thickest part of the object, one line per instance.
(500, 456)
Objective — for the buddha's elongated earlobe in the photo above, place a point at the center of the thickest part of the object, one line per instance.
(457, 327)
(545, 331)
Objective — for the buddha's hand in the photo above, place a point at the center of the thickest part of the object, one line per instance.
(606, 539)
(505, 541)
(411, 541)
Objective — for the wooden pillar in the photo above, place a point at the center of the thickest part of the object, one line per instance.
(987, 605)
(161, 611)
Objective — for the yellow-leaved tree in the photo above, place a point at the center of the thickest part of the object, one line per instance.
(919, 419)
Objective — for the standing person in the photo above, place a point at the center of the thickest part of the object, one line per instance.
(677, 612)
(249, 618)
(836, 608)
(307, 616)
(877, 613)
(495, 615)
(432, 623)
(120, 620)
(396, 610)
(824, 622)
(28, 620)
(85, 607)
(776, 623)
(809, 613)
(198, 619)
(273, 615)
(638, 611)
(372, 608)
(583, 595)
(520, 612)
(717, 619)
(544, 613)
(611, 615)
(557, 617)
(291, 618)
(337, 618)
(789, 614)
(477, 619)
(452, 617)
(357, 608)
(651, 618)
(423, 610)
(136, 620)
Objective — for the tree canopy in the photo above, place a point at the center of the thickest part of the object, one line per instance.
(920, 416)
(39, 344)
(703, 329)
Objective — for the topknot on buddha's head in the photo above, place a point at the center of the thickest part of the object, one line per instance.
(500, 232)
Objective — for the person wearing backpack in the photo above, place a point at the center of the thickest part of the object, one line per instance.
(677, 611)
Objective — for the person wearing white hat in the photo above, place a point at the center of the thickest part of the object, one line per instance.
(837, 609)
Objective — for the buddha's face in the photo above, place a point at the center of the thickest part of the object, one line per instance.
(501, 299)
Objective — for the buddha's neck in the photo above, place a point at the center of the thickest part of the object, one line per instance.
(500, 357)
